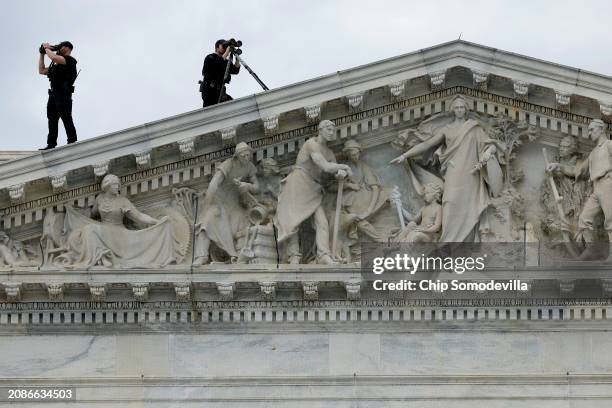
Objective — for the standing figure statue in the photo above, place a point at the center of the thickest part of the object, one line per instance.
(269, 185)
(469, 168)
(301, 194)
(362, 198)
(223, 215)
(109, 242)
(598, 166)
(574, 192)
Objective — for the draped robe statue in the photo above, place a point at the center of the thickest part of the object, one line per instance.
(223, 218)
(109, 242)
(469, 168)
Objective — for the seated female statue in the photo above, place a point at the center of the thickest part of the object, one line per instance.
(109, 242)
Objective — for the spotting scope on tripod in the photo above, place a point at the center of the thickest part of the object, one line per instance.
(236, 52)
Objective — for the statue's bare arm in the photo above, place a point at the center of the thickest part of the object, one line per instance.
(576, 171)
(329, 167)
(421, 148)
(142, 218)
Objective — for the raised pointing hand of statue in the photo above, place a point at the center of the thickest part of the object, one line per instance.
(398, 159)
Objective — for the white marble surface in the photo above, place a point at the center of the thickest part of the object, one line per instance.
(435, 369)
(250, 355)
(58, 356)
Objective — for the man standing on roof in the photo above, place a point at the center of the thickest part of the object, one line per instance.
(62, 73)
(213, 72)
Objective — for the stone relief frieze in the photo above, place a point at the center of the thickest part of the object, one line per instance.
(75, 239)
(461, 176)
(17, 253)
(596, 207)
(457, 153)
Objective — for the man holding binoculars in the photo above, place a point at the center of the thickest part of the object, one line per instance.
(62, 73)
(213, 71)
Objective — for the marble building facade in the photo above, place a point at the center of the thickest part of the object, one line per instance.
(213, 258)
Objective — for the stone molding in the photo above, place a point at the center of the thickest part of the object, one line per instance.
(228, 136)
(226, 290)
(143, 159)
(313, 113)
(270, 124)
(397, 89)
(17, 192)
(567, 286)
(97, 291)
(268, 290)
(521, 89)
(606, 111)
(140, 291)
(187, 147)
(59, 182)
(12, 290)
(563, 100)
(310, 290)
(355, 101)
(100, 169)
(353, 289)
(336, 389)
(437, 80)
(55, 291)
(182, 291)
(236, 313)
(480, 79)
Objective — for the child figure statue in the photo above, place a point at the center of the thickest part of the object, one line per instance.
(426, 226)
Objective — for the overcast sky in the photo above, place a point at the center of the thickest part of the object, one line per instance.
(141, 60)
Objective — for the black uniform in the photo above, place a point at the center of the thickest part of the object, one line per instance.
(59, 106)
(213, 71)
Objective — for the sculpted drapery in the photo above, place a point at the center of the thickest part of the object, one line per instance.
(469, 168)
(108, 242)
(223, 217)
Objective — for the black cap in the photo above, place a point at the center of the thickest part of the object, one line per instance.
(219, 42)
(66, 44)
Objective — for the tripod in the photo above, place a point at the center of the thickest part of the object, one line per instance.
(226, 75)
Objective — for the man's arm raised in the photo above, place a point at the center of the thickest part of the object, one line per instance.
(42, 70)
(58, 59)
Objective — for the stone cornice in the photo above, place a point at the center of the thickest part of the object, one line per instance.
(375, 316)
(307, 93)
(214, 283)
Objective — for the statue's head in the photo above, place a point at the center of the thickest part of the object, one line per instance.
(568, 146)
(459, 106)
(352, 150)
(243, 152)
(327, 130)
(270, 167)
(432, 192)
(596, 129)
(4, 238)
(110, 183)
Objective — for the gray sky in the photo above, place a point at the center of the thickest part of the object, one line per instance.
(141, 60)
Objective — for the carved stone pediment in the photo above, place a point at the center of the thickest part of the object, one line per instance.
(220, 201)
